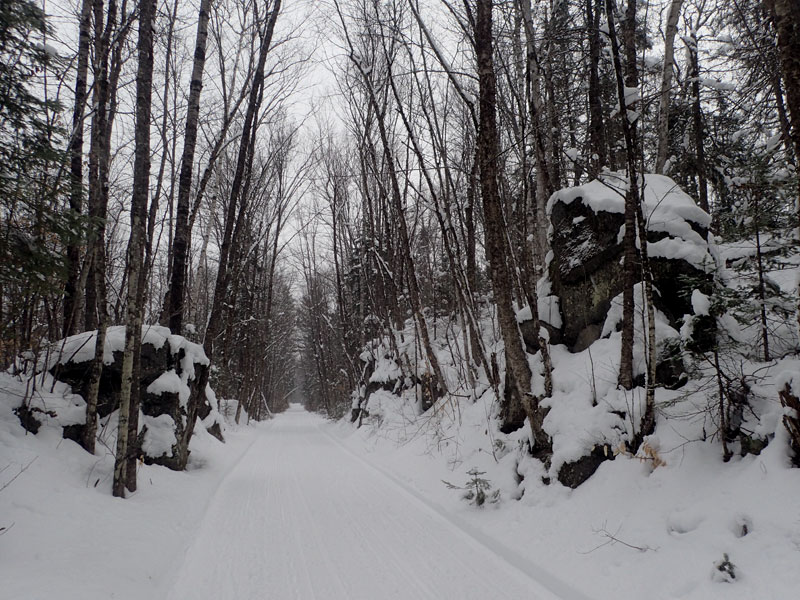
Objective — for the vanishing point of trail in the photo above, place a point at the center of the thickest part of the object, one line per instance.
(301, 518)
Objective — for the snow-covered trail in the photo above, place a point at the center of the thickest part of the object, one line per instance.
(300, 517)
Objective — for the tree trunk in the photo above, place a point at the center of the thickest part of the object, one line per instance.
(182, 237)
(762, 300)
(545, 184)
(98, 184)
(697, 120)
(670, 30)
(496, 248)
(141, 184)
(156, 197)
(786, 14)
(243, 164)
(94, 277)
(72, 293)
(597, 141)
(631, 199)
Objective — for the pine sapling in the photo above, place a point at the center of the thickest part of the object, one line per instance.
(724, 570)
(477, 490)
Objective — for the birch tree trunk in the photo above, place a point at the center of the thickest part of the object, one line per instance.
(544, 163)
(141, 184)
(670, 30)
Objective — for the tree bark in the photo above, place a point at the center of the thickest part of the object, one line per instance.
(697, 120)
(72, 294)
(545, 183)
(141, 184)
(597, 142)
(786, 15)
(496, 248)
(670, 30)
(93, 279)
(182, 237)
(243, 163)
(631, 199)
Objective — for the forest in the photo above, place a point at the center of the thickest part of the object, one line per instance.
(572, 224)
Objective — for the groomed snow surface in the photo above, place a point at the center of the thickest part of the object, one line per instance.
(301, 517)
(281, 511)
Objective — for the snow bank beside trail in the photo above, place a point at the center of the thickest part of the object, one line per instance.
(657, 525)
(62, 534)
(631, 530)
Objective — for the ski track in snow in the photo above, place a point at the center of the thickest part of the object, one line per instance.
(299, 517)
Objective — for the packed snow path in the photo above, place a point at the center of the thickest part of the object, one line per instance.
(299, 517)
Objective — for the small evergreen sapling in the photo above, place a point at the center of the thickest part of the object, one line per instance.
(724, 570)
(477, 490)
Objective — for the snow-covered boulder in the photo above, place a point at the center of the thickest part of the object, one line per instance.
(382, 371)
(585, 268)
(171, 370)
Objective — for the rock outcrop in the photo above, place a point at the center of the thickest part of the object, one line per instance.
(171, 369)
(581, 306)
(586, 261)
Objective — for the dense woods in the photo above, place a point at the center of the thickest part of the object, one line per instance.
(162, 164)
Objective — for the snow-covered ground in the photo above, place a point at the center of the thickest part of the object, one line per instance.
(63, 534)
(281, 511)
(303, 508)
(300, 517)
(630, 531)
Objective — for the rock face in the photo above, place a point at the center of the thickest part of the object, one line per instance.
(171, 368)
(586, 267)
(573, 474)
(585, 282)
